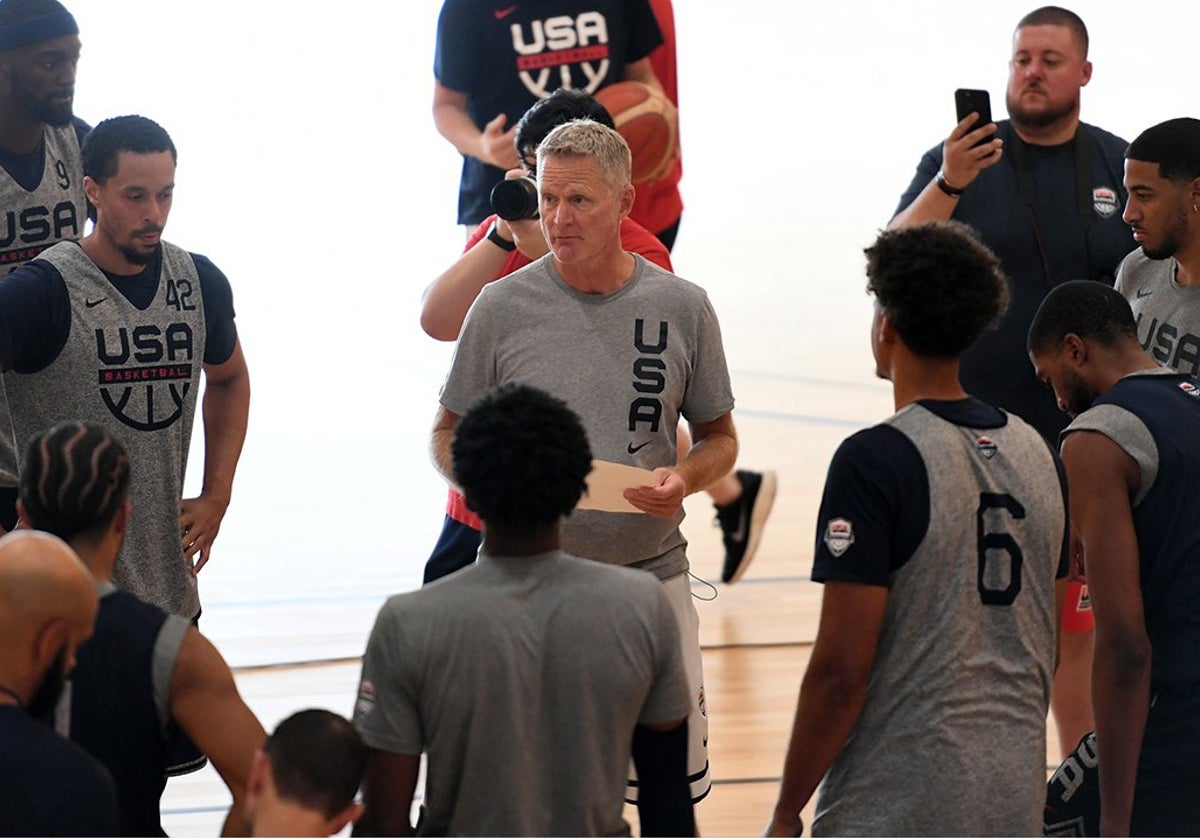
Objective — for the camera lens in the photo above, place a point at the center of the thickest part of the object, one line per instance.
(515, 199)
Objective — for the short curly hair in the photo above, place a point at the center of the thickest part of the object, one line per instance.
(939, 286)
(522, 458)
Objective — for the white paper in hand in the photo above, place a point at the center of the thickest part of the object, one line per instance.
(607, 483)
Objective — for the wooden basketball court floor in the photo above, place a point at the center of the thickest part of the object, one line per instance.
(756, 635)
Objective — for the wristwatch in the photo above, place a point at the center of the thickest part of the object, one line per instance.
(944, 186)
(493, 236)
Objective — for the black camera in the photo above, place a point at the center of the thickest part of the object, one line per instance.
(515, 199)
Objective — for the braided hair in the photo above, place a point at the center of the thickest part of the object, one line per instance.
(74, 480)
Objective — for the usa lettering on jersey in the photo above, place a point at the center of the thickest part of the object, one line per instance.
(26, 233)
(577, 47)
(145, 373)
(1169, 345)
(649, 378)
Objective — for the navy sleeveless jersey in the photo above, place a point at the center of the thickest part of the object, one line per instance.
(114, 715)
(1165, 513)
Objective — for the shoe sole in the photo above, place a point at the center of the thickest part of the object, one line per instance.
(758, 517)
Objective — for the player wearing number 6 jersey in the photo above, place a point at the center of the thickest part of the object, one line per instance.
(941, 542)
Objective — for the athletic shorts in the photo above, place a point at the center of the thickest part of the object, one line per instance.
(679, 593)
(1073, 794)
(1077, 611)
(1165, 801)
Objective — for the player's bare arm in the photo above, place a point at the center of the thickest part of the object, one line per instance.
(226, 413)
(388, 791)
(205, 702)
(493, 145)
(831, 694)
(1102, 478)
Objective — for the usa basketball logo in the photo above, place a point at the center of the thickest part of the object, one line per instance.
(366, 698)
(839, 536)
(145, 373)
(986, 446)
(1190, 389)
(562, 51)
(1105, 202)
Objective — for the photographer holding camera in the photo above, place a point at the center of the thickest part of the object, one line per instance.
(511, 239)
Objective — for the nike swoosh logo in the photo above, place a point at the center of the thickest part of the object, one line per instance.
(1144, 292)
(90, 303)
(633, 450)
(501, 14)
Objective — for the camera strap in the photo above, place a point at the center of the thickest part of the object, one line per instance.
(1084, 204)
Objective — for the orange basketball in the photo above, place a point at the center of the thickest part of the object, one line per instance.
(648, 122)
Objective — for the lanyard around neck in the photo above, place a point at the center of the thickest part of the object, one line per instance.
(1083, 197)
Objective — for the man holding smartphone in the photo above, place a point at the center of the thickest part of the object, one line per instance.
(1045, 193)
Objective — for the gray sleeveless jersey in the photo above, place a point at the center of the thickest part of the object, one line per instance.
(136, 373)
(952, 736)
(1167, 314)
(33, 220)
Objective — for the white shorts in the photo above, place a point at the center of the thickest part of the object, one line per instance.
(679, 593)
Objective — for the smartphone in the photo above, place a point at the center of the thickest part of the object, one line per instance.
(968, 100)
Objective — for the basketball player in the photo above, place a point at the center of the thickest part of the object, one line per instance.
(1161, 280)
(1044, 192)
(1133, 469)
(498, 247)
(492, 63)
(48, 786)
(560, 664)
(942, 533)
(305, 777)
(41, 173)
(115, 329)
(143, 668)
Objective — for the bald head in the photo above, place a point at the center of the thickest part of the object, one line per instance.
(48, 606)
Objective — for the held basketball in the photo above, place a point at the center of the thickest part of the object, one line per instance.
(647, 120)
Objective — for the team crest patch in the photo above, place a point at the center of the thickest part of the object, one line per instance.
(839, 536)
(986, 446)
(1190, 389)
(366, 698)
(1105, 201)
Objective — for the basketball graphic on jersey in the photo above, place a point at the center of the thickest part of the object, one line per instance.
(145, 373)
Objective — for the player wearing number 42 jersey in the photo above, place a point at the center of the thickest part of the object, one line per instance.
(942, 546)
(117, 329)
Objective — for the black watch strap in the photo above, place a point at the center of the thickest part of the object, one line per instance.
(493, 236)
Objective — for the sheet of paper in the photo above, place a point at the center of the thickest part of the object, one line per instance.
(607, 483)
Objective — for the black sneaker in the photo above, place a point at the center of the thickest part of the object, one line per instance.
(742, 521)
